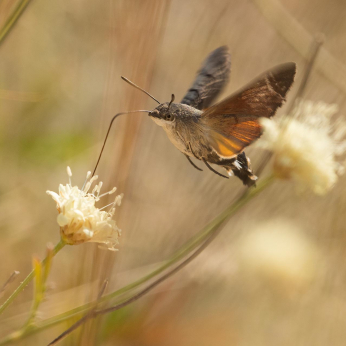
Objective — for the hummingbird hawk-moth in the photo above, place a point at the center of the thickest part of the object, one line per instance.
(217, 134)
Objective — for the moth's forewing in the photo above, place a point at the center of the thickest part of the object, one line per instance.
(210, 79)
(260, 98)
(232, 124)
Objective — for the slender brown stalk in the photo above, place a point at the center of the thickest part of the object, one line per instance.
(8, 281)
(314, 50)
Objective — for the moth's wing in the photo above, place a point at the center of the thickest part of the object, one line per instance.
(229, 137)
(232, 124)
(210, 80)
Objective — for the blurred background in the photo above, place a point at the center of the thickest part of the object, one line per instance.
(275, 275)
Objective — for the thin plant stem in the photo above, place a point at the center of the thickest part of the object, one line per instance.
(206, 234)
(4, 31)
(315, 47)
(8, 282)
(26, 281)
(213, 230)
(41, 275)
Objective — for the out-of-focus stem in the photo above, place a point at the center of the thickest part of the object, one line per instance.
(316, 45)
(41, 275)
(25, 282)
(12, 19)
(289, 28)
(8, 281)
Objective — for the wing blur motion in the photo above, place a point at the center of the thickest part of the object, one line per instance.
(210, 80)
(232, 124)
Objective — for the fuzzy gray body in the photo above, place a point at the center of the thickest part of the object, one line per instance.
(186, 130)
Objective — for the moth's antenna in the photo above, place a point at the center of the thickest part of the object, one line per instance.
(172, 100)
(137, 87)
(109, 128)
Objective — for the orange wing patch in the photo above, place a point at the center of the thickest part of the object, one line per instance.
(228, 142)
(226, 147)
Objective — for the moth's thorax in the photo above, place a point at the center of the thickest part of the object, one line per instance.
(167, 114)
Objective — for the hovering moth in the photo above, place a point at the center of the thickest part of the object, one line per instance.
(218, 134)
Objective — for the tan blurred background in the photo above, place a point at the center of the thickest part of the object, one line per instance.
(60, 84)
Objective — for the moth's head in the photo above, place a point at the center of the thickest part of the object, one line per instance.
(165, 114)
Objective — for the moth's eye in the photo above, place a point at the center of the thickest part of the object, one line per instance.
(169, 117)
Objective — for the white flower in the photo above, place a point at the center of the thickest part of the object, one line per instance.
(79, 220)
(305, 146)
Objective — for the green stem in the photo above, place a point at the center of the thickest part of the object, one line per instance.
(195, 241)
(20, 288)
(12, 19)
(208, 230)
(211, 232)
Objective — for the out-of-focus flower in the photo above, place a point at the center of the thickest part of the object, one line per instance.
(306, 145)
(79, 220)
(280, 254)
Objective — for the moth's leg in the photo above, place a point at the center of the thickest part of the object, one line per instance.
(200, 169)
(213, 170)
(193, 152)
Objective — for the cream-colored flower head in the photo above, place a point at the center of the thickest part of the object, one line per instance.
(280, 254)
(306, 145)
(79, 220)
